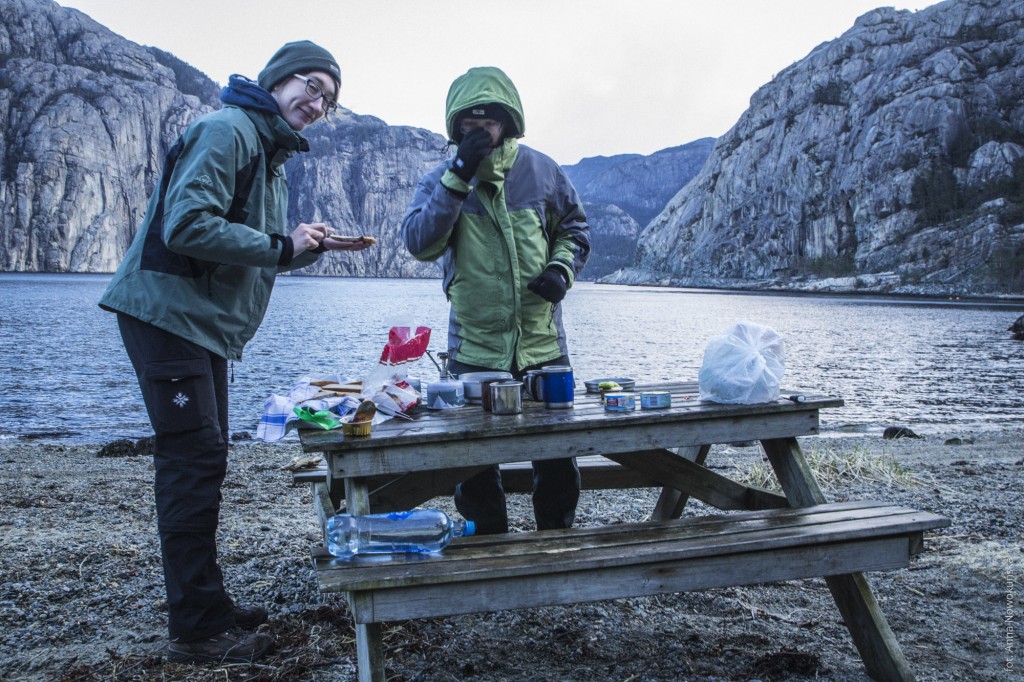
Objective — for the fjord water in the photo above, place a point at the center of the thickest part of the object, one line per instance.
(934, 366)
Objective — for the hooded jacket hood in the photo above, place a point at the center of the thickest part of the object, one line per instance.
(483, 85)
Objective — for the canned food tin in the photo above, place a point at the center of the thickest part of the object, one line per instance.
(655, 400)
(619, 402)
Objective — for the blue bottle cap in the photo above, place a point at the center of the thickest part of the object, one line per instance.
(470, 528)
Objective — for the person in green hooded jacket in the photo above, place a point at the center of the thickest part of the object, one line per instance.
(512, 237)
(190, 293)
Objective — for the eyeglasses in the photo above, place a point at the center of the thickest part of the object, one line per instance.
(315, 91)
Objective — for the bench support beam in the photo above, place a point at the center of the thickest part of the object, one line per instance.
(369, 636)
(881, 653)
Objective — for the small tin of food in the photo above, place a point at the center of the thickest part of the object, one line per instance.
(619, 402)
(655, 400)
(356, 428)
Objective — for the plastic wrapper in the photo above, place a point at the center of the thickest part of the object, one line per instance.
(386, 383)
(743, 366)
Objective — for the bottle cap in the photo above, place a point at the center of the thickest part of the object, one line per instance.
(470, 528)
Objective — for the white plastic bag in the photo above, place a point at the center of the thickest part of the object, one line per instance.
(743, 366)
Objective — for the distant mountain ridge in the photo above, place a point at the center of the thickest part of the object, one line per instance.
(890, 159)
(640, 185)
(622, 193)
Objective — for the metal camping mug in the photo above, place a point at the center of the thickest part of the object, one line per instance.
(506, 397)
(532, 387)
(557, 382)
(485, 392)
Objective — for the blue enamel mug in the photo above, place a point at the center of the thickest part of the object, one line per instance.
(558, 388)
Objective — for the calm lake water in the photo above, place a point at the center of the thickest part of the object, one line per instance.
(933, 366)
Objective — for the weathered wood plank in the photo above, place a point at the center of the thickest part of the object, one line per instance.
(597, 473)
(574, 550)
(482, 448)
(512, 592)
(428, 426)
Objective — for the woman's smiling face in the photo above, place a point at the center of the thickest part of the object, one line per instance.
(305, 98)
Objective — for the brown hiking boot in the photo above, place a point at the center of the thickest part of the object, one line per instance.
(249, 617)
(230, 646)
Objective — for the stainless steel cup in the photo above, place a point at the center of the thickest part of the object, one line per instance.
(506, 397)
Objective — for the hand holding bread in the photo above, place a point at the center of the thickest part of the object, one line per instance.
(340, 242)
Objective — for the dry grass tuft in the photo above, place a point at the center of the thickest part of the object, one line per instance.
(835, 470)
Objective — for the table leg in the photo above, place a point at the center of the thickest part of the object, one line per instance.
(871, 634)
(369, 641)
(672, 501)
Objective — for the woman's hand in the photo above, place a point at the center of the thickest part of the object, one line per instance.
(307, 236)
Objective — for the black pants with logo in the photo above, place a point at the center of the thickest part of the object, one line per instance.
(185, 389)
(556, 482)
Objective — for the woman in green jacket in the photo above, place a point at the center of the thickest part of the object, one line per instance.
(191, 291)
(512, 236)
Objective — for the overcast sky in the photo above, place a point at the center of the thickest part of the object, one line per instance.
(597, 77)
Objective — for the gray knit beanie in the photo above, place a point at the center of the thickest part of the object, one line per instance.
(298, 57)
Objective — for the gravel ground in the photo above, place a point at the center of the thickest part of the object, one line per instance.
(81, 591)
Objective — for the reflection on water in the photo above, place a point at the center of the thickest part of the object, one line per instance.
(932, 366)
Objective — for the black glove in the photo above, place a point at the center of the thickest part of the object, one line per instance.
(475, 145)
(549, 285)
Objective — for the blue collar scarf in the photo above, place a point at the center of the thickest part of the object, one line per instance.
(242, 92)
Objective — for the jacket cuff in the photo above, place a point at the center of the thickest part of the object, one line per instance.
(564, 270)
(279, 241)
(456, 185)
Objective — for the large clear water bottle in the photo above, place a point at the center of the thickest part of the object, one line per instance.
(419, 530)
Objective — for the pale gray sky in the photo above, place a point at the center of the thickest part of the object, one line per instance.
(597, 77)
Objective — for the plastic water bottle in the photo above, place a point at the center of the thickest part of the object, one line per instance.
(419, 530)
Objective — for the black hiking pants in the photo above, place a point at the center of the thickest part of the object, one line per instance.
(185, 389)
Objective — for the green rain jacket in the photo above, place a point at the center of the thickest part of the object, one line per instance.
(204, 261)
(520, 215)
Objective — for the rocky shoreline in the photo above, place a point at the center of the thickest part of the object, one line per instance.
(81, 592)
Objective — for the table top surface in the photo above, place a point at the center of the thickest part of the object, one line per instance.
(587, 414)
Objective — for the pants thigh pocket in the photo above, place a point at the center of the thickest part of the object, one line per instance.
(180, 394)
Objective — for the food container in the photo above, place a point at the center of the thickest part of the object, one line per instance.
(626, 383)
(471, 384)
(655, 400)
(619, 402)
(356, 428)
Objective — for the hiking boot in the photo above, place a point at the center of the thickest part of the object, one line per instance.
(230, 646)
(249, 617)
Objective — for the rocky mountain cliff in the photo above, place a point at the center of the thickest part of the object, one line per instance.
(889, 159)
(87, 117)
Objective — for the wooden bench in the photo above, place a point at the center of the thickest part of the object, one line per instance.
(544, 568)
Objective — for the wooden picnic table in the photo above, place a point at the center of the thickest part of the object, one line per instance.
(405, 463)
